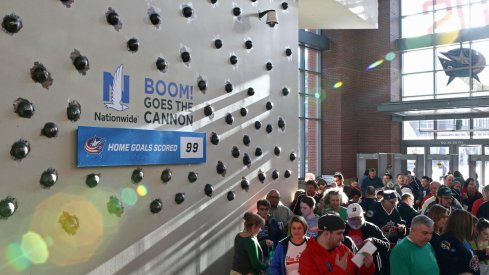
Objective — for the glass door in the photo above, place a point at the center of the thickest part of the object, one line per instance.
(438, 163)
(463, 158)
(411, 163)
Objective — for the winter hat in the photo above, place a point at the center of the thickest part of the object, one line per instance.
(330, 222)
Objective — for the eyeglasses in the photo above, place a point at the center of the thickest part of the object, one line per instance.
(273, 197)
(447, 198)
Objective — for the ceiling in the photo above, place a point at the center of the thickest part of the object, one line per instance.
(448, 108)
(338, 14)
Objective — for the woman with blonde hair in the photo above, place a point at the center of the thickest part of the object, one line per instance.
(439, 215)
(248, 256)
(289, 250)
(453, 252)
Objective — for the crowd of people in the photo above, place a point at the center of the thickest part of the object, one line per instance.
(391, 225)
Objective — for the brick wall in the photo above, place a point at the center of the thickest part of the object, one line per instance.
(351, 123)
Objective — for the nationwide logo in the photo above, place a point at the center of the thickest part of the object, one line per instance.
(116, 90)
(94, 145)
(116, 96)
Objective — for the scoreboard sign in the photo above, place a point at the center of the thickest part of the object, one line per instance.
(97, 146)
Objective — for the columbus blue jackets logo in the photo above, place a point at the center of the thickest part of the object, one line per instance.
(462, 62)
(445, 245)
(116, 90)
(94, 145)
(474, 263)
(390, 229)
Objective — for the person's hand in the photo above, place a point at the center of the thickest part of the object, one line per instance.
(269, 243)
(367, 259)
(342, 262)
(367, 240)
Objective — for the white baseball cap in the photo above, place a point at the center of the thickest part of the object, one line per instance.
(407, 190)
(354, 210)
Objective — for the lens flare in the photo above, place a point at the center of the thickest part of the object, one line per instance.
(338, 84)
(142, 190)
(35, 248)
(65, 249)
(375, 64)
(448, 37)
(129, 196)
(16, 257)
(390, 56)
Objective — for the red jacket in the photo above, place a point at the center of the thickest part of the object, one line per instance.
(476, 205)
(424, 199)
(318, 260)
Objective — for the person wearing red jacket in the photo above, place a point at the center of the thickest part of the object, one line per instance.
(327, 255)
(477, 203)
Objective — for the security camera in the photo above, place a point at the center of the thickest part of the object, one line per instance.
(272, 20)
(271, 17)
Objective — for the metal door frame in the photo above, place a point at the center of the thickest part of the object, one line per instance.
(382, 160)
(473, 159)
(398, 167)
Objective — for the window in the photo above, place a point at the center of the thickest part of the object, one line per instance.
(474, 128)
(423, 74)
(310, 94)
(418, 130)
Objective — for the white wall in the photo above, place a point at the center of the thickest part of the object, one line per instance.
(193, 237)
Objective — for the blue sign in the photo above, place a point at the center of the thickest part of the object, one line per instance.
(116, 90)
(98, 146)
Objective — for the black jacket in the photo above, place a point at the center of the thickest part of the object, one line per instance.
(367, 203)
(372, 231)
(407, 213)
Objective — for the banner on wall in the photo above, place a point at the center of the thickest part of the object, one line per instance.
(97, 146)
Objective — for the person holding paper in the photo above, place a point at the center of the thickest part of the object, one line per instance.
(327, 255)
(414, 255)
(362, 232)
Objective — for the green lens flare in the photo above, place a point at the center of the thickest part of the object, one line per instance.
(129, 196)
(35, 248)
(390, 56)
(16, 257)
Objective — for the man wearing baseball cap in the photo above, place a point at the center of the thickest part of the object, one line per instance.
(445, 198)
(385, 215)
(327, 255)
(362, 231)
